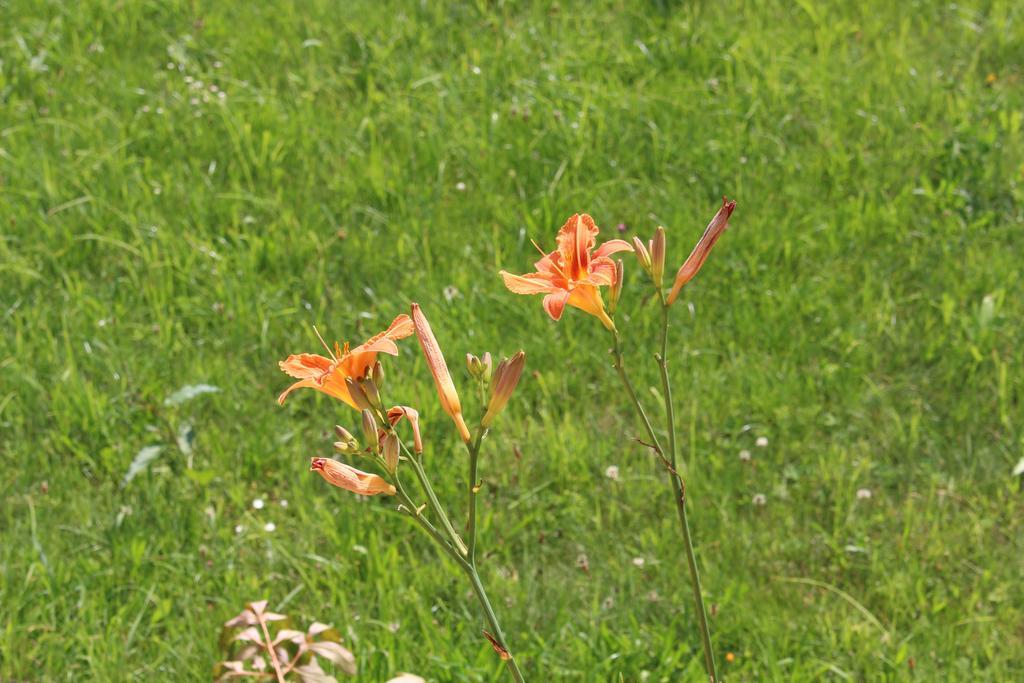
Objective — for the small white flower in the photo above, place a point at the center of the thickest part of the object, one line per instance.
(475, 70)
(394, 626)
(638, 562)
(218, 64)
(258, 503)
(762, 441)
(759, 499)
(863, 494)
(608, 603)
(460, 186)
(239, 528)
(269, 526)
(612, 472)
(744, 455)
(1019, 469)
(283, 503)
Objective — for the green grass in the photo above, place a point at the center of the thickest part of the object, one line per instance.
(863, 313)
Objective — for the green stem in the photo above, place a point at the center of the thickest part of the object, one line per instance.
(458, 552)
(492, 619)
(679, 491)
(474, 456)
(435, 504)
(413, 511)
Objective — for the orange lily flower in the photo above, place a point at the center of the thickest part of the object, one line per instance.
(349, 478)
(329, 374)
(700, 252)
(573, 273)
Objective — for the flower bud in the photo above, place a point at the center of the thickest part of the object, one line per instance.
(370, 431)
(485, 361)
(616, 289)
(439, 369)
(390, 452)
(358, 395)
(371, 392)
(642, 255)
(348, 443)
(506, 377)
(474, 365)
(349, 478)
(700, 252)
(377, 375)
(658, 256)
(397, 413)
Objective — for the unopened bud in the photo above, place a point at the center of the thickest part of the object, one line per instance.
(370, 430)
(397, 413)
(474, 365)
(658, 256)
(642, 255)
(358, 395)
(485, 361)
(506, 377)
(377, 375)
(348, 443)
(371, 392)
(616, 289)
(390, 452)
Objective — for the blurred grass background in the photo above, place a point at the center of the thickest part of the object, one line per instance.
(186, 187)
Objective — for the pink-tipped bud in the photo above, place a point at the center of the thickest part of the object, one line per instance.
(700, 252)
(658, 256)
(485, 361)
(370, 431)
(615, 292)
(349, 478)
(390, 452)
(642, 255)
(506, 377)
(439, 369)
(397, 413)
(358, 395)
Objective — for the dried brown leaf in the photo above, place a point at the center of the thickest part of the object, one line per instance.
(337, 654)
(498, 647)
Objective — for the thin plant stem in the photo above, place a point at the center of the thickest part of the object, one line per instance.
(413, 511)
(474, 456)
(435, 504)
(679, 491)
(270, 647)
(678, 488)
(459, 556)
(492, 619)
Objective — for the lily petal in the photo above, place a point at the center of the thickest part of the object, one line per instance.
(554, 303)
(612, 247)
(305, 365)
(533, 283)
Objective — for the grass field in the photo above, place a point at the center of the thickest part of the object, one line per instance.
(186, 187)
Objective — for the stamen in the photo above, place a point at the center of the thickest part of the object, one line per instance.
(544, 254)
(333, 357)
